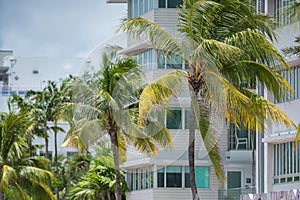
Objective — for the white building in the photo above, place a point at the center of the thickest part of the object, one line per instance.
(20, 74)
(166, 176)
(281, 158)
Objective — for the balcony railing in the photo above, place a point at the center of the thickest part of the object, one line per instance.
(235, 193)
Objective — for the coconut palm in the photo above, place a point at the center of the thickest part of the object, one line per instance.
(226, 46)
(22, 104)
(106, 103)
(47, 100)
(98, 182)
(22, 177)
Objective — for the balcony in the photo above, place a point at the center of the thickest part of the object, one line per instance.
(240, 142)
(240, 138)
(234, 193)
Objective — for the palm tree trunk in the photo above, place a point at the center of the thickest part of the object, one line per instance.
(108, 195)
(114, 145)
(55, 156)
(55, 142)
(30, 145)
(46, 141)
(47, 147)
(191, 151)
(253, 159)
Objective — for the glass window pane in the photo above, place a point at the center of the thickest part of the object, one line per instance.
(174, 3)
(174, 62)
(174, 176)
(187, 177)
(160, 61)
(160, 176)
(202, 176)
(174, 118)
(161, 3)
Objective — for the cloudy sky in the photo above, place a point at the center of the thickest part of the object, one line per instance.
(57, 28)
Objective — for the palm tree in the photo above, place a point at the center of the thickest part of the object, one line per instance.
(106, 103)
(98, 182)
(40, 101)
(46, 102)
(225, 44)
(22, 177)
(24, 105)
(43, 104)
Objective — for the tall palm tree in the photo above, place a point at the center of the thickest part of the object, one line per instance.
(22, 104)
(106, 103)
(47, 100)
(225, 44)
(21, 177)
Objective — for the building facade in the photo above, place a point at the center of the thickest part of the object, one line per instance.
(281, 157)
(166, 176)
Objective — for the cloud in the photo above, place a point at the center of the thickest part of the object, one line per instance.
(57, 28)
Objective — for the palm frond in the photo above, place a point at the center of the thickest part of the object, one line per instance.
(208, 135)
(239, 71)
(245, 106)
(159, 38)
(257, 48)
(195, 20)
(160, 90)
(213, 53)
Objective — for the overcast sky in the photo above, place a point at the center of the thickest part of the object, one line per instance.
(57, 28)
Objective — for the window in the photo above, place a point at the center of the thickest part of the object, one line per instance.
(169, 3)
(139, 7)
(201, 175)
(146, 59)
(162, 3)
(174, 3)
(169, 62)
(240, 137)
(281, 12)
(149, 60)
(174, 62)
(286, 163)
(174, 118)
(160, 176)
(140, 179)
(174, 176)
(293, 78)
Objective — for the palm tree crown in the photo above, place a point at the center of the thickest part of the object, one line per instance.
(22, 177)
(225, 44)
(107, 103)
